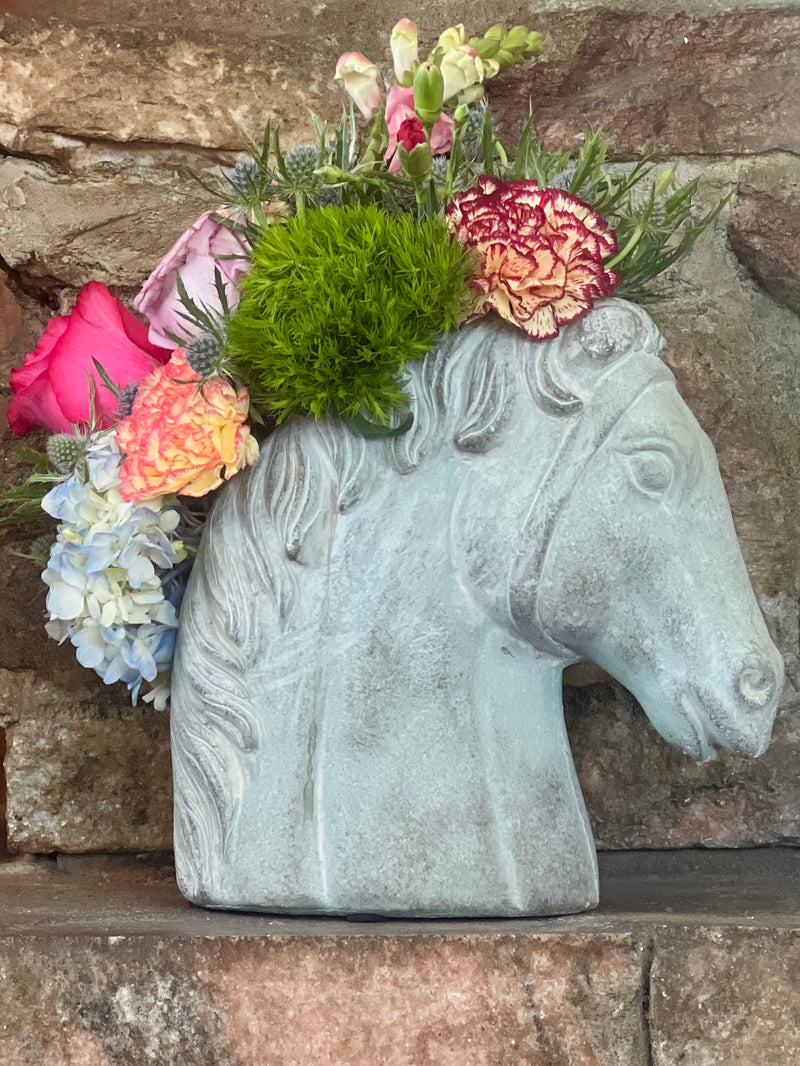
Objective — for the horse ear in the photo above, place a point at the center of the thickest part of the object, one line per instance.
(566, 370)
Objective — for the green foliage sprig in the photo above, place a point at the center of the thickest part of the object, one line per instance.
(336, 303)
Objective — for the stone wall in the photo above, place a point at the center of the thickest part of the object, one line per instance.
(106, 105)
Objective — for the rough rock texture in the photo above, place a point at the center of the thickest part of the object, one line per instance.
(666, 82)
(105, 105)
(717, 1000)
(83, 784)
(765, 228)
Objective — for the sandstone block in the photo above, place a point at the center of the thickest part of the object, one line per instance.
(765, 229)
(720, 999)
(63, 233)
(665, 83)
(396, 1000)
(83, 784)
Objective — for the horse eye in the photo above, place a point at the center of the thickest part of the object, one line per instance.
(651, 471)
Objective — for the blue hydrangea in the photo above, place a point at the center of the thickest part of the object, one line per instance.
(115, 576)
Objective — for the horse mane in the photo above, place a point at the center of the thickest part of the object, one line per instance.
(279, 518)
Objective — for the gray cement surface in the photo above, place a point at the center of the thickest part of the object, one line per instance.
(755, 889)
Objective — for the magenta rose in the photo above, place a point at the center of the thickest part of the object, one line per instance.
(205, 247)
(51, 388)
(399, 108)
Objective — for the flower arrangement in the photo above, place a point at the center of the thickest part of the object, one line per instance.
(319, 275)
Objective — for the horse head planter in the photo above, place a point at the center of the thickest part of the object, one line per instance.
(367, 705)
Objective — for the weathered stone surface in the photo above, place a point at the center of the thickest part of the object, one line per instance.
(314, 993)
(664, 82)
(718, 1000)
(643, 794)
(62, 231)
(765, 228)
(82, 784)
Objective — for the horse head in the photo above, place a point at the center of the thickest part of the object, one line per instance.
(629, 555)
(366, 701)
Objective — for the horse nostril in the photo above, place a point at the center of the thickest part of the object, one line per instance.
(757, 685)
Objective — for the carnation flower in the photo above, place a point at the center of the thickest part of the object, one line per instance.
(399, 107)
(184, 434)
(539, 253)
(410, 133)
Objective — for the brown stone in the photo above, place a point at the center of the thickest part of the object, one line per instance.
(78, 784)
(663, 83)
(692, 959)
(10, 315)
(59, 233)
(125, 971)
(765, 229)
(719, 1000)
(642, 793)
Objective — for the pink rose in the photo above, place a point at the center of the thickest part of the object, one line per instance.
(51, 388)
(399, 107)
(203, 248)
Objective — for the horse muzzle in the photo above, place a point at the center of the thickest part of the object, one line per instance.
(742, 722)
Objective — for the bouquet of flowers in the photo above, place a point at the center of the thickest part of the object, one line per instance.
(319, 274)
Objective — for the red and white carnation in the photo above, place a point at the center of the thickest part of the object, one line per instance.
(539, 253)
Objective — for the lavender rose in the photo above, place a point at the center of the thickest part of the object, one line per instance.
(207, 245)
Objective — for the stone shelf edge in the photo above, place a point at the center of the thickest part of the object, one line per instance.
(693, 958)
(640, 890)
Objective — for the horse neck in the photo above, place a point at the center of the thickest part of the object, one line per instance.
(392, 606)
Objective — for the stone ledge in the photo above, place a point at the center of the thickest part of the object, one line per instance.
(691, 958)
(641, 892)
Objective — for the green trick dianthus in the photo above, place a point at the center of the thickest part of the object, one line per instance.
(337, 302)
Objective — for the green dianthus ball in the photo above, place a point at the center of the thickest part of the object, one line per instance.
(337, 302)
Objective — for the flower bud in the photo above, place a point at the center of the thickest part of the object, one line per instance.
(332, 175)
(360, 79)
(428, 93)
(416, 163)
(405, 54)
(664, 183)
(491, 67)
(453, 37)
(461, 67)
(460, 116)
(487, 46)
(534, 43)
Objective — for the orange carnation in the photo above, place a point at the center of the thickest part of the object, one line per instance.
(182, 432)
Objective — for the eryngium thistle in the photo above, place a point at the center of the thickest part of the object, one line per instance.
(300, 164)
(40, 548)
(244, 177)
(64, 452)
(474, 126)
(203, 354)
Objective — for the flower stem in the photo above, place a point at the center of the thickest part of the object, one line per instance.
(609, 264)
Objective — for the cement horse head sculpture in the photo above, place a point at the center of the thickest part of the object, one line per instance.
(367, 705)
